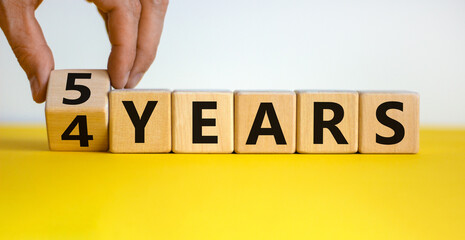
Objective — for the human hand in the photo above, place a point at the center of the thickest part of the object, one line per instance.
(134, 29)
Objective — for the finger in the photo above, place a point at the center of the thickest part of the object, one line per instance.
(28, 43)
(105, 18)
(123, 20)
(150, 29)
(103, 15)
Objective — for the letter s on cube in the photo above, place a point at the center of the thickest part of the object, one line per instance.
(389, 122)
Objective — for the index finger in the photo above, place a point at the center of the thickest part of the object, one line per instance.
(150, 29)
(123, 20)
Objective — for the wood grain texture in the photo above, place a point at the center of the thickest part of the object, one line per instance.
(60, 115)
(157, 131)
(370, 125)
(247, 104)
(182, 121)
(348, 126)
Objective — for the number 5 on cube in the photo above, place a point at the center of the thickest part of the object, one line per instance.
(77, 110)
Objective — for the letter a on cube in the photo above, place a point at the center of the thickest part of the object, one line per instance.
(77, 110)
(389, 122)
(265, 122)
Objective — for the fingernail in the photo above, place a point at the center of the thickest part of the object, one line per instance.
(135, 80)
(34, 86)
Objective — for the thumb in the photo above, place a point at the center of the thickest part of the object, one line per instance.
(28, 44)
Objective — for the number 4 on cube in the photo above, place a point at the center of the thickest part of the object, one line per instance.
(77, 110)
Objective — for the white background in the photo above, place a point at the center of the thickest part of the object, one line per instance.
(416, 45)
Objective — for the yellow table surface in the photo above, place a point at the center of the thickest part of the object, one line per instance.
(62, 195)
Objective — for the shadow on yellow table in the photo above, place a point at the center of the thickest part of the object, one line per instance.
(71, 195)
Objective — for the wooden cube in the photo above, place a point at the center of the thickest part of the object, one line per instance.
(389, 122)
(265, 122)
(77, 110)
(327, 122)
(203, 122)
(140, 121)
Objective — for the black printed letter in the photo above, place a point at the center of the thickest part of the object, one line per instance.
(198, 122)
(274, 130)
(139, 122)
(399, 131)
(319, 124)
